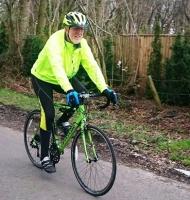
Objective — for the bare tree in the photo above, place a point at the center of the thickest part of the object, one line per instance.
(53, 14)
(9, 8)
(23, 22)
(186, 8)
(41, 23)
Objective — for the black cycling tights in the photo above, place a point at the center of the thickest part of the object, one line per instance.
(44, 92)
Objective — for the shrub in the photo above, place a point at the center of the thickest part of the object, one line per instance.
(3, 39)
(155, 63)
(177, 73)
(108, 54)
(32, 47)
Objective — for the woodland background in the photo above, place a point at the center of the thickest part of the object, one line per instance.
(130, 39)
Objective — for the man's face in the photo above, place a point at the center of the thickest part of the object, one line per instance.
(76, 34)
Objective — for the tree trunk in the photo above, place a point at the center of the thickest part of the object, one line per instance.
(42, 17)
(11, 34)
(53, 15)
(23, 21)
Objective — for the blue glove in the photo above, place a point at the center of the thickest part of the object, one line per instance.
(72, 98)
(111, 95)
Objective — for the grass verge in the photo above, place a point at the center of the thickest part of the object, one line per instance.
(145, 139)
(25, 102)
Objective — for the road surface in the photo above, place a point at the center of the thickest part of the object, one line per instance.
(20, 180)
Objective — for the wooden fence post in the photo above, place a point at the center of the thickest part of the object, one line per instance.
(154, 91)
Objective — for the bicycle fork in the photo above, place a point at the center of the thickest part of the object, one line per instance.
(89, 147)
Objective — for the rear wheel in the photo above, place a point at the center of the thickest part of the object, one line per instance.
(32, 137)
(96, 170)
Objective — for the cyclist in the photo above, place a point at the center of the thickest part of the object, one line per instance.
(55, 68)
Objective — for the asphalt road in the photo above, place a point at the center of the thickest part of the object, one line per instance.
(20, 180)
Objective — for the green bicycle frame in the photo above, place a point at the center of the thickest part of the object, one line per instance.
(79, 123)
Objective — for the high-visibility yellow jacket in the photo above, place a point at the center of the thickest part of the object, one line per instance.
(59, 61)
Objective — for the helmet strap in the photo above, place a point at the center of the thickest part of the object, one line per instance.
(67, 36)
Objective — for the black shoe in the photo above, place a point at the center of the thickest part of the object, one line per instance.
(48, 165)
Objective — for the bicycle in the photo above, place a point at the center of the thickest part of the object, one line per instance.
(92, 155)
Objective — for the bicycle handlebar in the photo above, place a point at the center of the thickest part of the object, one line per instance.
(85, 96)
(94, 95)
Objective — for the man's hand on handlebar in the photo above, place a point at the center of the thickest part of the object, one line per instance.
(72, 98)
(111, 95)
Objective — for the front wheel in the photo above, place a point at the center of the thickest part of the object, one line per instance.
(93, 161)
(32, 137)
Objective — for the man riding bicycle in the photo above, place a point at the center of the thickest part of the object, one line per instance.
(55, 69)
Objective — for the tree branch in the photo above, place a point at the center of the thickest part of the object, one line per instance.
(99, 27)
(185, 11)
(55, 12)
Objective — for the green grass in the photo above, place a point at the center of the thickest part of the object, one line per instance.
(176, 145)
(25, 102)
(178, 150)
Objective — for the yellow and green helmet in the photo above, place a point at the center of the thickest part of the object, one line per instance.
(75, 19)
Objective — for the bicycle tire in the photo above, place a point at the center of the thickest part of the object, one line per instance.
(106, 148)
(32, 121)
